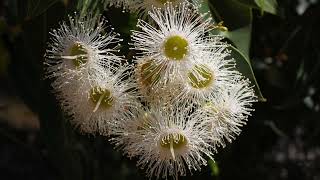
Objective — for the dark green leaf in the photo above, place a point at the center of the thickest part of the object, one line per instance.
(234, 14)
(239, 33)
(204, 7)
(244, 66)
(269, 6)
(240, 38)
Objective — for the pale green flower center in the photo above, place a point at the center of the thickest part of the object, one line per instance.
(175, 140)
(203, 79)
(80, 54)
(101, 98)
(176, 47)
(149, 73)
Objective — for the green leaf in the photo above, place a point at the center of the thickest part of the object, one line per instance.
(244, 67)
(234, 14)
(249, 3)
(204, 7)
(240, 38)
(239, 27)
(269, 6)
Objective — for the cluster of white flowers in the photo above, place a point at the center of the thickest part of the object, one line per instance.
(181, 98)
(89, 79)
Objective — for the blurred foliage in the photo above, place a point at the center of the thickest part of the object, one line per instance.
(269, 38)
(4, 59)
(38, 7)
(214, 168)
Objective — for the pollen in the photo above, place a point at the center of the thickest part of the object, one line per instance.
(203, 79)
(79, 54)
(176, 47)
(102, 98)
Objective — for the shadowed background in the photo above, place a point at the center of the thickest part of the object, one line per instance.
(280, 141)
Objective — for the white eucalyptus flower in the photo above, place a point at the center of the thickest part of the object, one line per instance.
(148, 75)
(166, 142)
(225, 114)
(96, 103)
(78, 48)
(206, 80)
(176, 42)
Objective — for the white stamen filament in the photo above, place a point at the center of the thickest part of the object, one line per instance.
(73, 57)
(99, 102)
(172, 149)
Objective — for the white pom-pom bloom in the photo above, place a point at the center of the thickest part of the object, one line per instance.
(166, 143)
(224, 115)
(148, 75)
(78, 48)
(176, 42)
(214, 74)
(96, 103)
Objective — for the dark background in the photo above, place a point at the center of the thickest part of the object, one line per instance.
(280, 141)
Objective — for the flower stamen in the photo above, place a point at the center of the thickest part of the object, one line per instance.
(173, 142)
(79, 54)
(202, 78)
(101, 97)
(172, 149)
